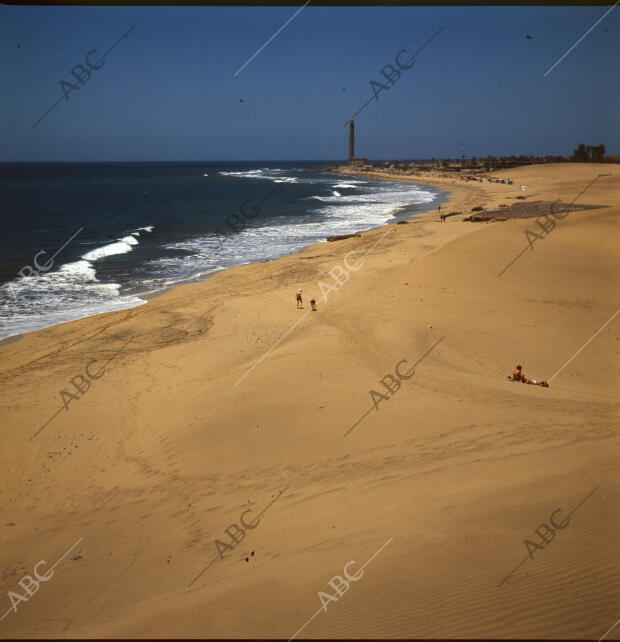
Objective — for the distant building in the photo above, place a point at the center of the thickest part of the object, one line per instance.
(354, 162)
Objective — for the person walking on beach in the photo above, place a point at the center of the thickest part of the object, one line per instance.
(300, 303)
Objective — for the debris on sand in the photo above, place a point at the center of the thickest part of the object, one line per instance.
(340, 237)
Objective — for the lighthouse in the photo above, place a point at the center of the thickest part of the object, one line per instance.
(354, 162)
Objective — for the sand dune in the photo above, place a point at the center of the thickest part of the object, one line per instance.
(224, 400)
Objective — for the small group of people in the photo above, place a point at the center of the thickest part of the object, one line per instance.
(442, 217)
(300, 302)
(517, 375)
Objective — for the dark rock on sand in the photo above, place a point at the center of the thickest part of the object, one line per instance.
(532, 209)
(340, 237)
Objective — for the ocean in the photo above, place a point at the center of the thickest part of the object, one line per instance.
(83, 238)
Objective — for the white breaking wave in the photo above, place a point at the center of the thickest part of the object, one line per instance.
(326, 199)
(259, 173)
(273, 174)
(350, 184)
(388, 196)
(78, 270)
(121, 246)
(70, 292)
(277, 236)
(251, 173)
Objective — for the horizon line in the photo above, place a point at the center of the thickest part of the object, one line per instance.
(343, 161)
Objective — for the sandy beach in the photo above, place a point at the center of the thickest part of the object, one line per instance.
(217, 455)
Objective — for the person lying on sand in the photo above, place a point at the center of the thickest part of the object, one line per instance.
(517, 375)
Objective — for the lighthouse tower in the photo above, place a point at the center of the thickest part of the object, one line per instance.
(354, 162)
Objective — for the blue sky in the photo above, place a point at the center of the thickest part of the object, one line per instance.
(168, 91)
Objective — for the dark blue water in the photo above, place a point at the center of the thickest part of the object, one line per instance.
(102, 233)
